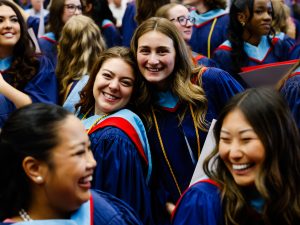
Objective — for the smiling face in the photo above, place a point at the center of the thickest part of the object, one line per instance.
(67, 179)
(10, 30)
(240, 148)
(113, 86)
(181, 11)
(156, 58)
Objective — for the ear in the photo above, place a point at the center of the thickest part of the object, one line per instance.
(34, 169)
(242, 18)
(88, 7)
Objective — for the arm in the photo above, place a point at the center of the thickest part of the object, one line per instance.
(17, 97)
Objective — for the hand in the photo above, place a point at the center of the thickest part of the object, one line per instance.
(170, 207)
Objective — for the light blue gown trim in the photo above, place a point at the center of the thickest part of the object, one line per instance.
(82, 216)
(258, 52)
(211, 14)
(138, 125)
(74, 97)
(5, 63)
(167, 99)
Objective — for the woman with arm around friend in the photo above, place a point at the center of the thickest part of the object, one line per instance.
(48, 172)
(255, 172)
(25, 77)
(118, 137)
(177, 104)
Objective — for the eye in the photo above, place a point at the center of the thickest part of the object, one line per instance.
(144, 51)
(127, 83)
(224, 139)
(80, 152)
(14, 19)
(107, 75)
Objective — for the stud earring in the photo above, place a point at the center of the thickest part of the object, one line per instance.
(242, 23)
(39, 179)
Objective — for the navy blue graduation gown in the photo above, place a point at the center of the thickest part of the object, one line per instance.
(258, 55)
(199, 205)
(101, 209)
(42, 87)
(200, 40)
(291, 92)
(128, 23)
(48, 45)
(122, 169)
(219, 87)
(203, 60)
(110, 33)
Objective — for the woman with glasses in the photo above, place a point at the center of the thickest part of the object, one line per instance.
(210, 28)
(59, 13)
(180, 16)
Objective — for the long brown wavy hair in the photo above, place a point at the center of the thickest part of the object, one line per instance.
(180, 80)
(79, 47)
(25, 64)
(278, 181)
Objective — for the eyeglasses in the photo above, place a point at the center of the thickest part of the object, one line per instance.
(182, 20)
(72, 8)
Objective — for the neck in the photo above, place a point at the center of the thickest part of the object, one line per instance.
(5, 52)
(202, 8)
(251, 39)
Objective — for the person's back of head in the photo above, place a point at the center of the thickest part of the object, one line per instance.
(80, 45)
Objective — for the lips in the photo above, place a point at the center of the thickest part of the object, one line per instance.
(85, 182)
(8, 35)
(153, 69)
(241, 167)
(110, 97)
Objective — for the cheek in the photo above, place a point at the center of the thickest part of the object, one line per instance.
(223, 152)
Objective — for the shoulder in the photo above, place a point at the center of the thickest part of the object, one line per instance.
(201, 204)
(111, 210)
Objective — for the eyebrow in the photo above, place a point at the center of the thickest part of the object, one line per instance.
(241, 131)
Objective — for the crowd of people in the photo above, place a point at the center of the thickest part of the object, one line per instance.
(103, 119)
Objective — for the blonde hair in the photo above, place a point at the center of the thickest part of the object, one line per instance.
(79, 47)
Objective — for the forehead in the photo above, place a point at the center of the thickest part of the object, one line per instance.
(75, 2)
(6, 11)
(155, 39)
(262, 3)
(178, 10)
(119, 67)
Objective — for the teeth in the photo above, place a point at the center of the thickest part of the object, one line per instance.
(87, 179)
(241, 166)
(153, 69)
(110, 97)
(8, 35)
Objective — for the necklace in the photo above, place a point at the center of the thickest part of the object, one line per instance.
(95, 123)
(164, 150)
(24, 215)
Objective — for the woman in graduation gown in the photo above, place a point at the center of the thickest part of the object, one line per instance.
(118, 137)
(177, 105)
(253, 169)
(48, 172)
(25, 77)
(210, 28)
(252, 40)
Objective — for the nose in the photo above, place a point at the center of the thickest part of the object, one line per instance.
(235, 152)
(91, 162)
(113, 84)
(8, 24)
(153, 60)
